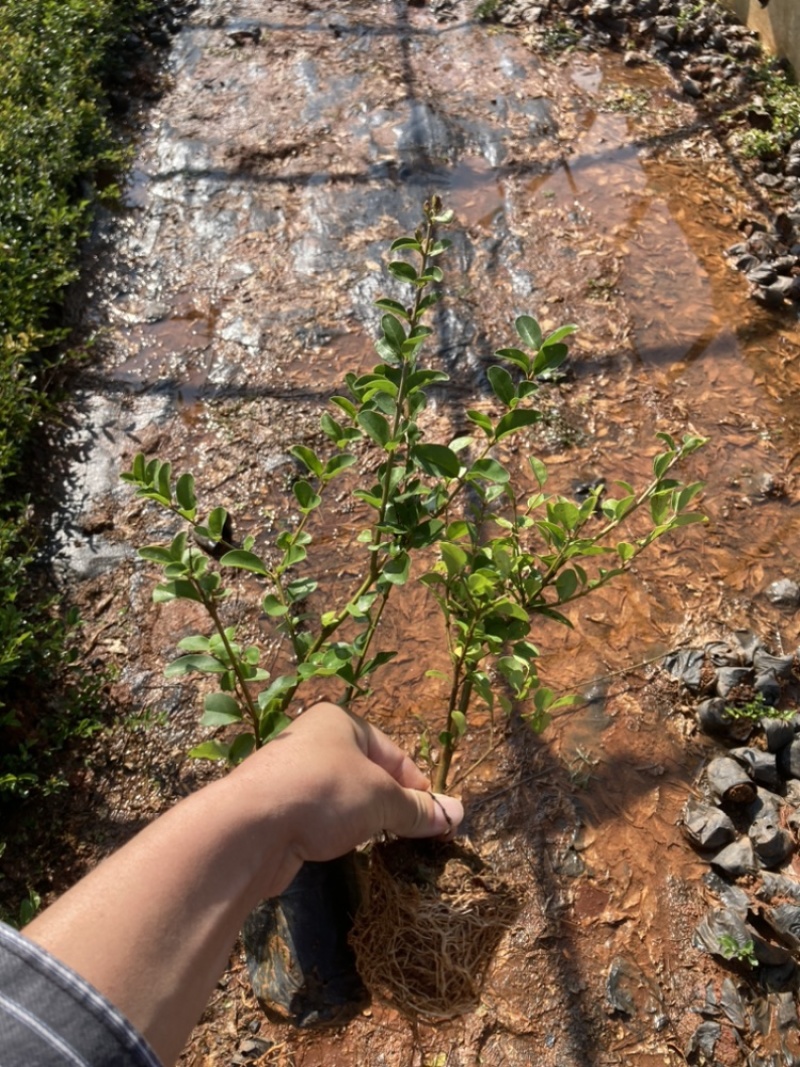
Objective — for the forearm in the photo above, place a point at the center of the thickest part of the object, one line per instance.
(152, 927)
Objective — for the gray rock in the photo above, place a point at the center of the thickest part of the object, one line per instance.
(737, 859)
(728, 678)
(773, 845)
(789, 760)
(778, 733)
(706, 826)
(761, 766)
(767, 686)
(769, 181)
(692, 88)
(746, 263)
(784, 593)
(781, 666)
(634, 59)
(770, 297)
(762, 275)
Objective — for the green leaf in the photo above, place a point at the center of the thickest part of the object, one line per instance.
(194, 643)
(396, 570)
(502, 384)
(517, 357)
(559, 335)
(216, 523)
(549, 358)
(516, 420)
(626, 551)
(241, 748)
(337, 464)
(193, 662)
(272, 606)
(481, 420)
(393, 332)
(276, 689)
(210, 750)
(345, 405)
(221, 709)
(405, 242)
(184, 493)
(394, 307)
(375, 425)
(459, 723)
(437, 460)
(539, 470)
(305, 496)
(180, 589)
(488, 470)
(528, 331)
(404, 271)
(566, 583)
(244, 561)
(300, 588)
(455, 558)
(156, 554)
(308, 458)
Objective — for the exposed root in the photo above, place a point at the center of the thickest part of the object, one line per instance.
(431, 920)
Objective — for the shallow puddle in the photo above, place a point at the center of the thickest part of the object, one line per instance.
(247, 256)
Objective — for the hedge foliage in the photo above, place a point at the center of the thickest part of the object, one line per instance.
(55, 139)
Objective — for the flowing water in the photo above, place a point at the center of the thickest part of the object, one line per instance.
(235, 286)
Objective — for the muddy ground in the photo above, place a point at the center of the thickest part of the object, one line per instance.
(229, 295)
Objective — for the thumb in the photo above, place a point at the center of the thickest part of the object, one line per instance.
(413, 813)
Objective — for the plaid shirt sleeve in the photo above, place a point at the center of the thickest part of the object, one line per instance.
(51, 1017)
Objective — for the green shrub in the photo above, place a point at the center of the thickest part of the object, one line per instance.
(55, 140)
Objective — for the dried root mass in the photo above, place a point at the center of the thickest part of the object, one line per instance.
(432, 918)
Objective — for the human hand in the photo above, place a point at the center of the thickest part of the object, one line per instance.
(344, 781)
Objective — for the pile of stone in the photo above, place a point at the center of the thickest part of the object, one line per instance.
(770, 257)
(746, 819)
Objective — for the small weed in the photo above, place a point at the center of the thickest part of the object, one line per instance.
(628, 101)
(559, 37)
(755, 710)
(780, 100)
(743, 951)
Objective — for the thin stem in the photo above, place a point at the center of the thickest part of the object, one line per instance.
(236, 666)
(370, 633)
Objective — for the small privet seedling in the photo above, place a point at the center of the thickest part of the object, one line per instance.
(495, 550)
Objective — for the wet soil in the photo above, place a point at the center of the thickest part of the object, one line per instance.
(234, 288)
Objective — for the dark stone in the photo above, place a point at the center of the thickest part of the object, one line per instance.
(700, 1047)
(770, 297)
(767, 686)
(789, 760)
(773, 845)
(778, 733)
(784, 593)
(763, 275)
(781, 666)
(686, 665)
(691, 88)
(747, 262)
(761, 766)
(749, 643)
(706, 826)
(713, 719)
(729, 783)
(728, 678)
(769, 181)
(784, 264)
